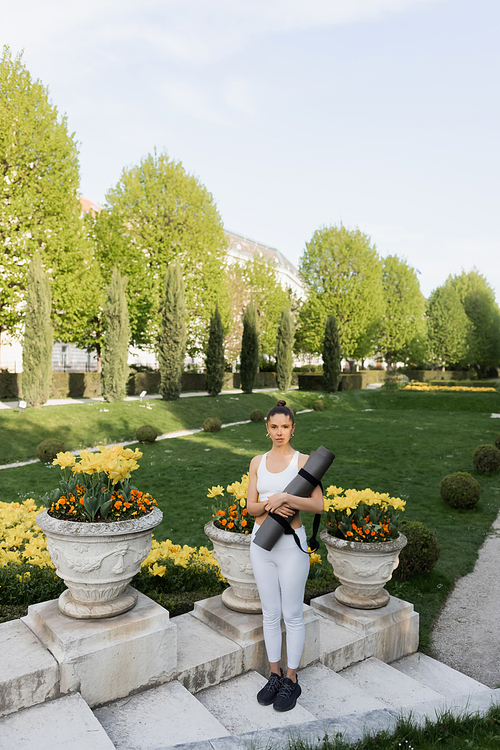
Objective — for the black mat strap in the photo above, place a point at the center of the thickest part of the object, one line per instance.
(309, 477)
(287, 529)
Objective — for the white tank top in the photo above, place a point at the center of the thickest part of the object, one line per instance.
(269, 483)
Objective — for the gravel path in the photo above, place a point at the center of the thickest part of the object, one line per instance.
(466, 635)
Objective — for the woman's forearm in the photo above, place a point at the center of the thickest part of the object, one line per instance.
(312, 504)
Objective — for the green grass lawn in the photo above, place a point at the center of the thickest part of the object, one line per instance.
(399, 443)
(85, 425)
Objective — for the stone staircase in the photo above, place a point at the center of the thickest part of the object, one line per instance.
(367, 696)
(347, 685)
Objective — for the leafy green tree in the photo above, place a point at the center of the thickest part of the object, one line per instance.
(215, 355)
(402, 334)
(284, 351)
(256, 280)
(478, 300)
(249, 357)
(311, 321)
(332, 357)
(39, 206)
(38, 337)
(156, 215)
(448, 326)
(172, 338)
(116, 340)
(343, 273)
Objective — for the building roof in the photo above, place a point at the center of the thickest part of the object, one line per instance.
(244, 248)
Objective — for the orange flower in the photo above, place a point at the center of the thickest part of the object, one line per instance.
(244, 512)
(243, 523)
(128, 505)
(221, 512)
(118, 504)
(223, 522)
(230, 525)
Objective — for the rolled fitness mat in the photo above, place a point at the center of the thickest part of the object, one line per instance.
(302, 485)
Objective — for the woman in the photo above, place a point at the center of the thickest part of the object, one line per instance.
(281, 574)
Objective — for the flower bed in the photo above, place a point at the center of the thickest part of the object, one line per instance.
(27, 572)
(422, 387)
(362, 515)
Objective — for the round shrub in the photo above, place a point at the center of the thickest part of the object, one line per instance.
(497, 442)
(319, 405)
(212, 424)
(146, 434)
(460, 490)
(48, 449)
(486, 458)
(420, 554)
(257, 415)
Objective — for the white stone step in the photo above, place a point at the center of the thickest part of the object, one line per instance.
(235, 705)
(339, 647)
(204, 657)
(326, 694)
(438, 676)
(29, 674)
(158, 718)
(388, 684)
(63, 724)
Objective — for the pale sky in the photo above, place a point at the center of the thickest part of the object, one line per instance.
(381, 114)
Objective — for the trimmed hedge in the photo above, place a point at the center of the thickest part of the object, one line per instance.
(460, 490)
(420, 554)
(146, 434)
(212, 424)
(257, 415)
(486, 459)
(48, 449)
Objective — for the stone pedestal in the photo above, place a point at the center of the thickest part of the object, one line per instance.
(389, 632)
(110, 658)
(246, 630)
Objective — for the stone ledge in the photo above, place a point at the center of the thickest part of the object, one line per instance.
(29, 674)
(112, 657)
(246, 630)
(389, 632)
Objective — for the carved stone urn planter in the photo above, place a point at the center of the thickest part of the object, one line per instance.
(363, 569)
(97, 561)
(232, 552)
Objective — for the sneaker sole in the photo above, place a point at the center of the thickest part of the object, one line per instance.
(265, 703)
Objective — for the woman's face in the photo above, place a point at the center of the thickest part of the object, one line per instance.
(280, 428)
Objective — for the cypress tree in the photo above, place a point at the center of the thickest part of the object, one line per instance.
(172, 339)
(331, 355)
(215, 355)
(249, 357)
(38, 337)
(284, 346)
(116, 339)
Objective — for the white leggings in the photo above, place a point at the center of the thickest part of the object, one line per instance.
(281, 576)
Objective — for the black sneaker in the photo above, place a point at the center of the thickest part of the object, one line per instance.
(270, 690)
(287, 695)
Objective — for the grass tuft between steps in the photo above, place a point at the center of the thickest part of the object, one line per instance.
(468, 731)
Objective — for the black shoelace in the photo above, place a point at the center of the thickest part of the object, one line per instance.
(286, 689)
(274, 681)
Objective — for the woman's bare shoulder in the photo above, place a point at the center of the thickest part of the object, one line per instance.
(255, 462)
(302, 459)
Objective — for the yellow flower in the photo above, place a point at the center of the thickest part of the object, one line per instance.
(64, 459)
(158, 570)
(215, 491)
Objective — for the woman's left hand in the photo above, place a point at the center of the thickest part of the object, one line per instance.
(276, 501)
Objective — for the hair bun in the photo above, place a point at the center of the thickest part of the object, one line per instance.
(281, 403)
